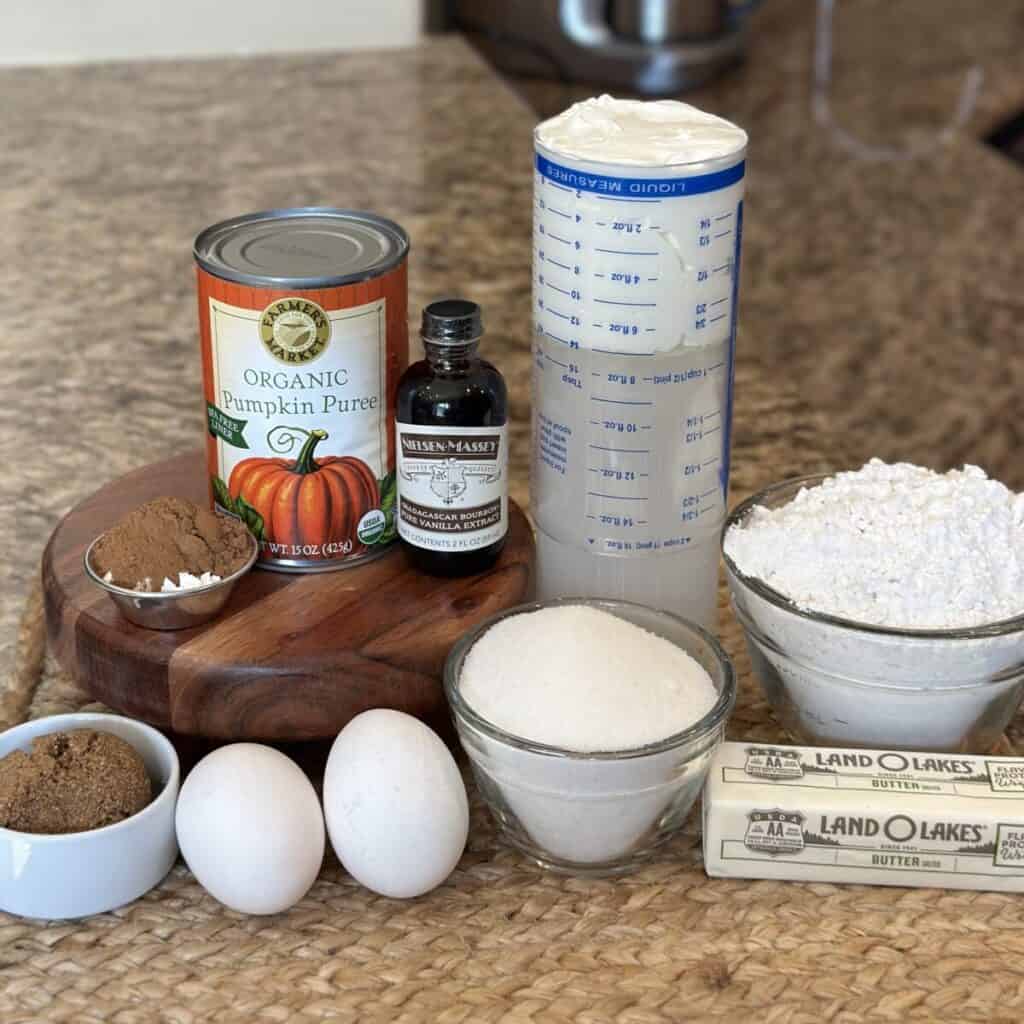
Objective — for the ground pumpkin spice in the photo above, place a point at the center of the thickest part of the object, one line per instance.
(72, 782)
(168, 536)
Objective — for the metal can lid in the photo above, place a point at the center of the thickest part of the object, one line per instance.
(451, 322)
(305, 247)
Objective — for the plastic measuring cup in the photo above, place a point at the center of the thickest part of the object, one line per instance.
(636, 271)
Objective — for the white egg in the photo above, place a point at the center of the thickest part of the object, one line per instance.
(250, 828)
(395, 804)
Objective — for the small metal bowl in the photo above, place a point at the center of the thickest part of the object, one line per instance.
(178, 609)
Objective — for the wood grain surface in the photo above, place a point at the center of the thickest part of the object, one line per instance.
(292, 657)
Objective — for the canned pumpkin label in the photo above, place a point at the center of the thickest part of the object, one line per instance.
(299, 419)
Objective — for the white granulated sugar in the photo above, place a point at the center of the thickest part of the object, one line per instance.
(582, 679)
(893, 545)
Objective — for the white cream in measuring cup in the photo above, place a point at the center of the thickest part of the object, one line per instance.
(637, 226)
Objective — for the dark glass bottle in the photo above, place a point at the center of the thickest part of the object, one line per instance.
(452, 448)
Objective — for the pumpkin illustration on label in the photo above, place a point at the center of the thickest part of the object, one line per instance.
(310, 507)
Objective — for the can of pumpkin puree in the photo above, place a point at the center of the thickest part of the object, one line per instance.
(302, 322)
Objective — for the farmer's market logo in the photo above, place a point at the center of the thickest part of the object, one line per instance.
(294, 330)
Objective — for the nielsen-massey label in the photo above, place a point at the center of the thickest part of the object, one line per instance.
(452, 486)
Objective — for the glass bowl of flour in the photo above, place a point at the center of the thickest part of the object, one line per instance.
(589, 726)
(882, 607)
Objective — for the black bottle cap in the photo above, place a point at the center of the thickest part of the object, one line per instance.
(451, 322)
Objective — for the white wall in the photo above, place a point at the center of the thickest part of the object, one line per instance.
(63, 31)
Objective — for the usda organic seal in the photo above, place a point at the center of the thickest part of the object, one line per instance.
(372, 526)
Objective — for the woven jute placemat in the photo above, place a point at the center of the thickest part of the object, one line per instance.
(502, 941)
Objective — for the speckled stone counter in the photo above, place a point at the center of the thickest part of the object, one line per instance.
(880, 314)
(884, 293)
(108, 172)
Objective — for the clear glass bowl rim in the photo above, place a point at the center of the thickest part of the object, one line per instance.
(703, 727)
(772, 497)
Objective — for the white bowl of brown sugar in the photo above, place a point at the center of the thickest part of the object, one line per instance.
(86, 814)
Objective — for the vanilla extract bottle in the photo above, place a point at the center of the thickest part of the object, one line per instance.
(452, 448)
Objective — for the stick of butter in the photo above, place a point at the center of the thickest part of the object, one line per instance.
(880, 817)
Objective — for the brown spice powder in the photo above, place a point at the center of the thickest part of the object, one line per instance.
(72, 782)
(168, 536)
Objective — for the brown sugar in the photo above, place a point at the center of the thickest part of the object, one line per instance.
(72, 782)
(168, 536)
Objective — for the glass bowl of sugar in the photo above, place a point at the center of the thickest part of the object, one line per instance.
(826, 572)
(589, 726)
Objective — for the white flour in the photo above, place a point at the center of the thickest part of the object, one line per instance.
(893, 545)
(582, 679)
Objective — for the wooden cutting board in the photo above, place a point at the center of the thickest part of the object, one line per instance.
(292, 657)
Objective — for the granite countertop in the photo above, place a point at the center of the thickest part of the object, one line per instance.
(884, 294)
(880, 314)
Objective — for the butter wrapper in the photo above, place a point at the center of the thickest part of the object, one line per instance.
(878, 817)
